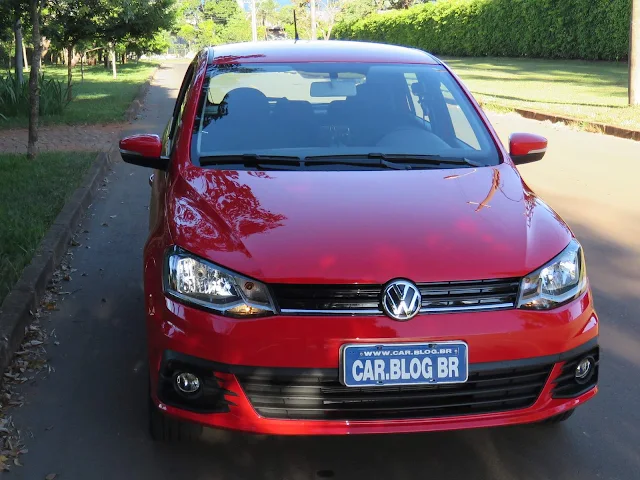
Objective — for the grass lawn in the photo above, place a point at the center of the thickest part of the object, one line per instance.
(32, 193)
(587, 91)
(97, 99)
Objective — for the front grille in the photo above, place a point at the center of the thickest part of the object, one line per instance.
(365, 299)
(566, 385)
(320, 396)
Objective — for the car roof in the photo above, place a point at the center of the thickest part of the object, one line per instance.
(316, 51)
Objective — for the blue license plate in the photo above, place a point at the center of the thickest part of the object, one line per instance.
(404, 364)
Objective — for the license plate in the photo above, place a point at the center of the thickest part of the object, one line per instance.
(404, 364)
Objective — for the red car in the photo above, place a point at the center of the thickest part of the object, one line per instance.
(340, 244)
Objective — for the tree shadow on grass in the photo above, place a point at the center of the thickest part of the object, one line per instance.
(549, 102)
(558, 71)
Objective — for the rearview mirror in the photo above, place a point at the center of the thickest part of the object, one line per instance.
(526, 147)
(334, 88)
(144, 150)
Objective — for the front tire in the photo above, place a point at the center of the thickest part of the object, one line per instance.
(164, 428)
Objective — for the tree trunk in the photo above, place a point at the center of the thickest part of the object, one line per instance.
(46, 44)
(17, 30)
(69, 72)
(82, 67)
(106, 60)
(254, 28)
(112, 47)
(314, 35)
(634, 55)
(34, 85)
(24, 55)
(327, 35)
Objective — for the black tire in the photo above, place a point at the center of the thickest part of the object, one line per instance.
(171, 430)
(559, 418)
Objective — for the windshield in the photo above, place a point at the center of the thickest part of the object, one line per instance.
(337, 109)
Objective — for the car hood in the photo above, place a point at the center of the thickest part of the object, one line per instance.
(367, 226)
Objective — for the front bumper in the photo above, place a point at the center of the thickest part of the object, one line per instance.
(308, 347)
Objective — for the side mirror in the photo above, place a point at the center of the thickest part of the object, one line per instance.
(144, 150)
(526, 147)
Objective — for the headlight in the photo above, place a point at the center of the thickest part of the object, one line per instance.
(556, 283)
(197, 281)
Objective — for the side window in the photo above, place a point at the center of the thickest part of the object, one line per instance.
(179, 106)
(418, 107)
(463, 130)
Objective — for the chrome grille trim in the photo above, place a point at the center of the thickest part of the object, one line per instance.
(358, 300)
(292, 311)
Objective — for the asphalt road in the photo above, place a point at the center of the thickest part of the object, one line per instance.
(87, 420)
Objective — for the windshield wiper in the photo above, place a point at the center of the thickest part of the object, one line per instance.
(250, 159)
(393, 161)
(397, 159)
(263, 161)
(432, 159)
(355, 160)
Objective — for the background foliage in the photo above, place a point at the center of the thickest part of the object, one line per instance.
(584, 29)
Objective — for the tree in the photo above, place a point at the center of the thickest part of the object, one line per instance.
(70, 22)
(220, 11)
(134, 20)
(19, 51)
(211, 22)
(329, 11)
(401, 4)
(237, 29)
(267, 11)
(634, 55)
(353, 10)
(159, 43)
(11, 14)
(314, 23)
(34, 84)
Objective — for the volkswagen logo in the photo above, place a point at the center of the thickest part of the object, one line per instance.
(401, 300)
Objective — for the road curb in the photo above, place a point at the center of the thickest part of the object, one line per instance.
(589, 126)
(137, 103)
(595, 127)
(17, 309)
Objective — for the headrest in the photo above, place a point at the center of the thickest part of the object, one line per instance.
(245, 101)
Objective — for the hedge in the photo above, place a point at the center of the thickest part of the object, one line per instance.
(577, 29)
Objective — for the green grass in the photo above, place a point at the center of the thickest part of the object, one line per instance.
(586, 91)
(32, 193)
(97, 99)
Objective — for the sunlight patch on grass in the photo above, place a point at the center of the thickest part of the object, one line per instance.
(586, 91)
(98, 98)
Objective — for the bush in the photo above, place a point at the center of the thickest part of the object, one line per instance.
(574, 29)
(14, 97)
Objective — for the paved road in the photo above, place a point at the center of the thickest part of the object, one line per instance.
(88, 417)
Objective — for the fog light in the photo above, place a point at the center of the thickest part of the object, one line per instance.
(187, 382)
(584, 370)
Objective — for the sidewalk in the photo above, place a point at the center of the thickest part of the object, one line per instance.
(66, 138)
